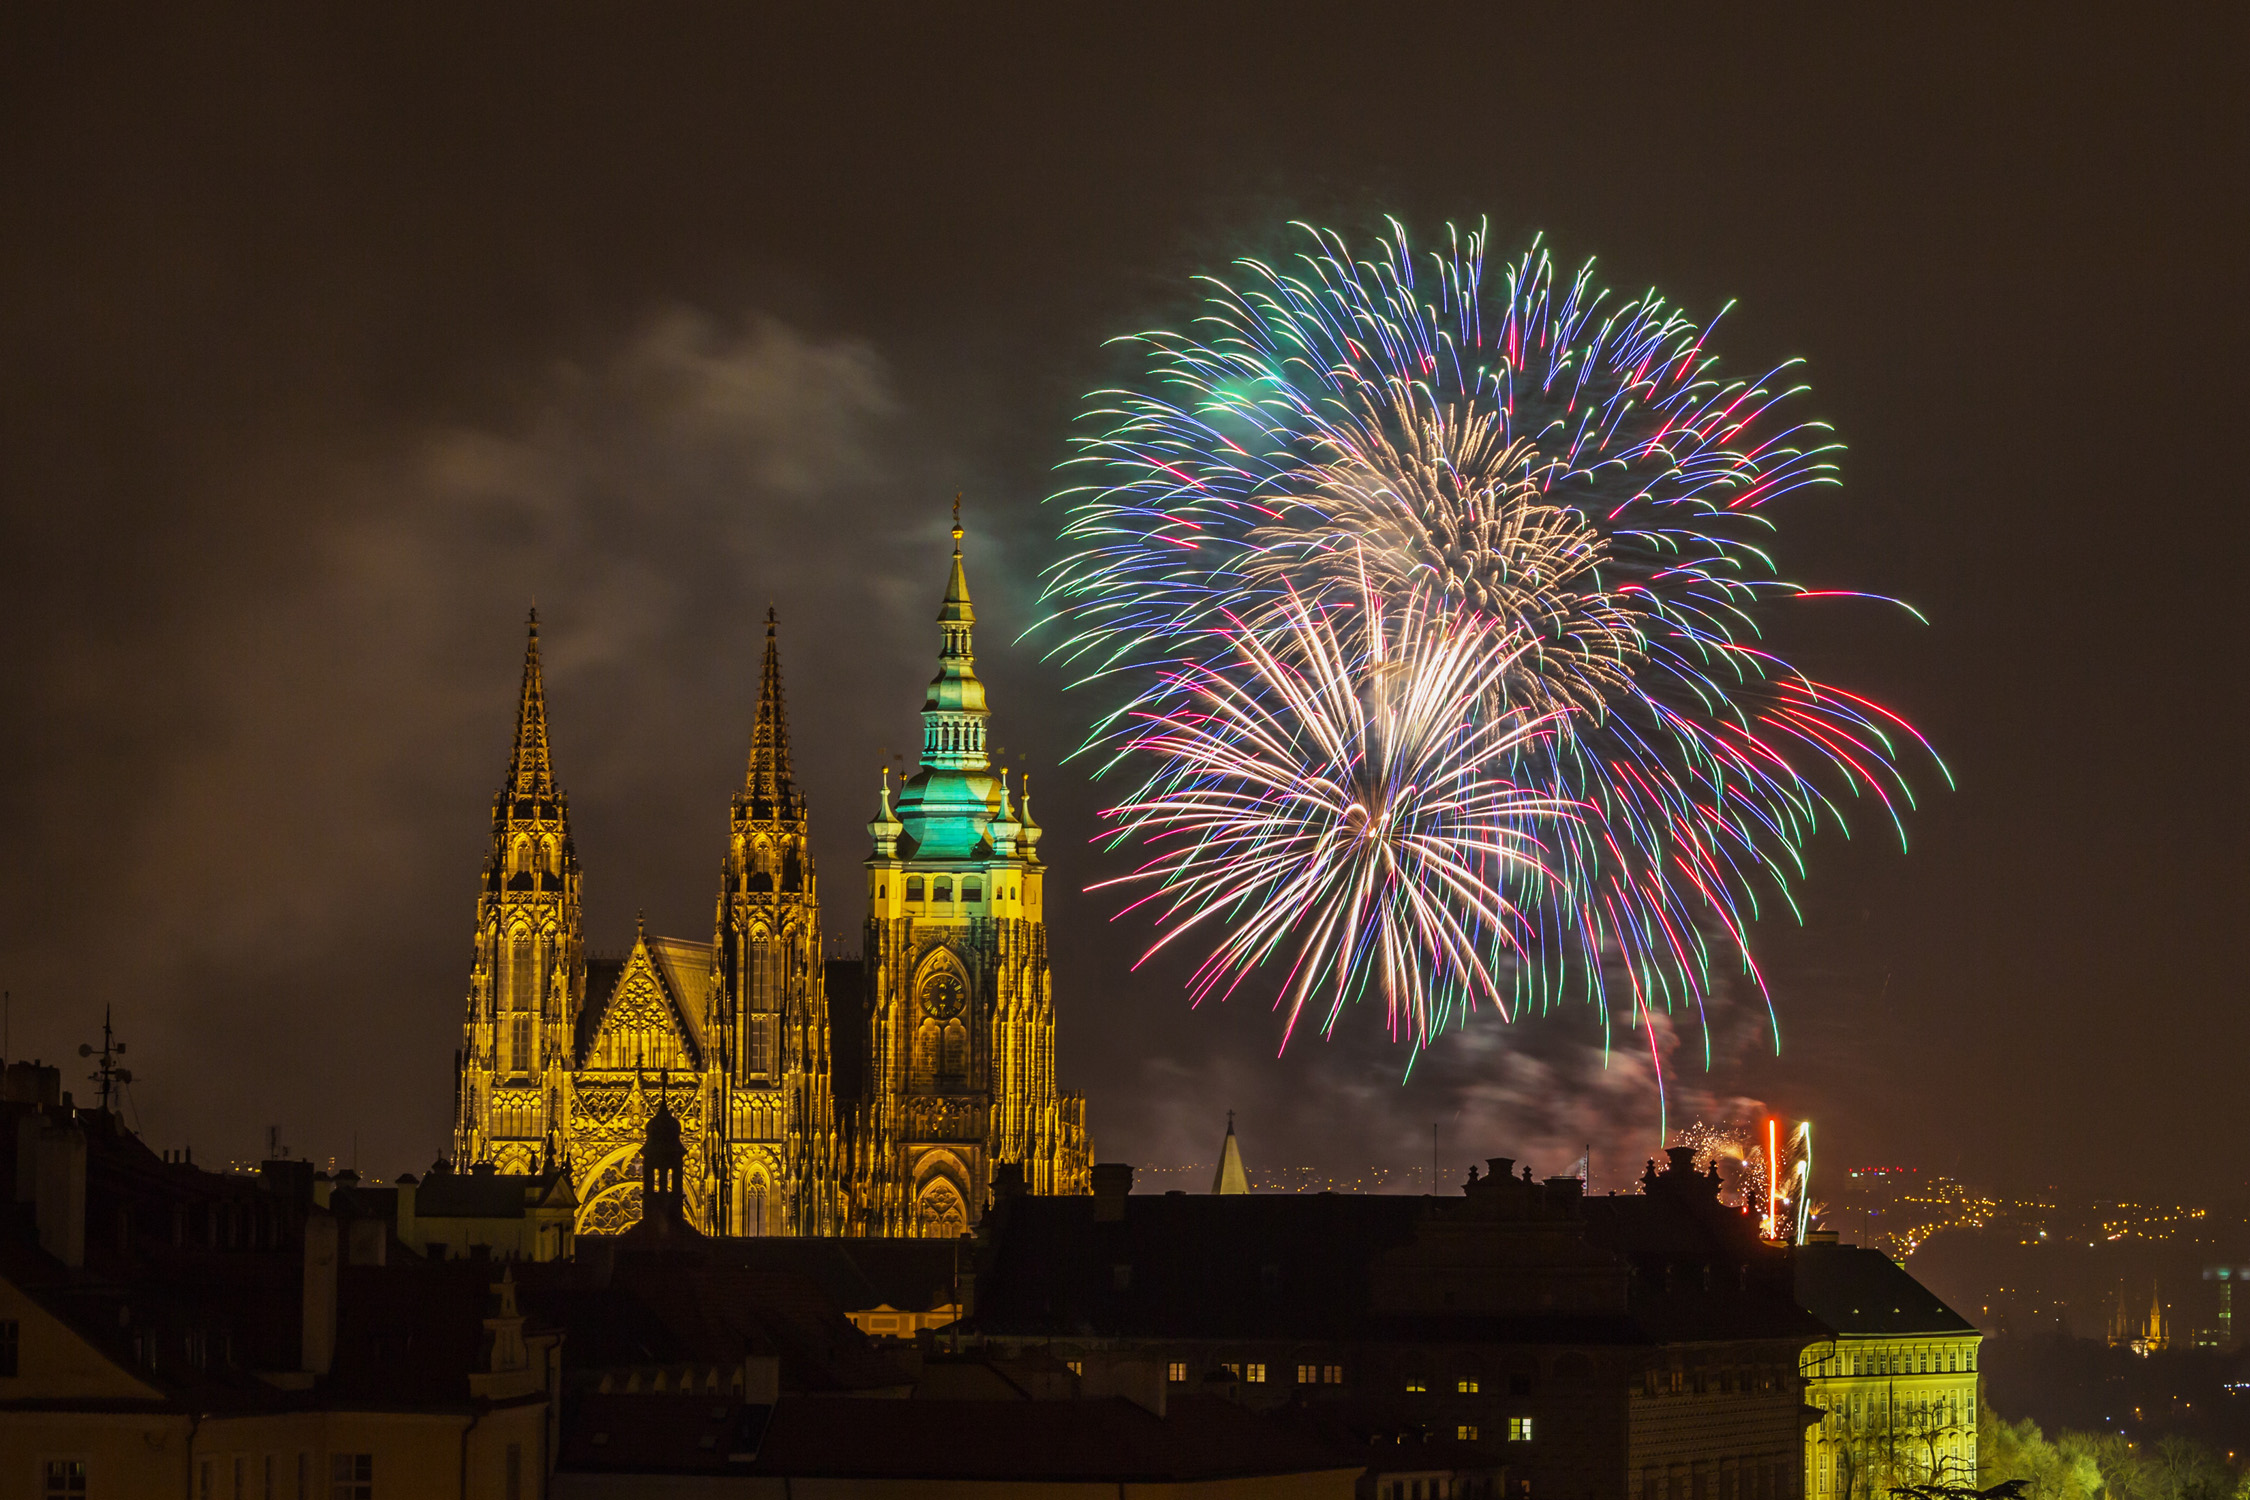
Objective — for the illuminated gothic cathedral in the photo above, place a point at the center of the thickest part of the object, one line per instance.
(877, 1096)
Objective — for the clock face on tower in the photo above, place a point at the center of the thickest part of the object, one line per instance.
(944, 996)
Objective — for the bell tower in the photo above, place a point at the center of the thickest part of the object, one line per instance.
(528, 965)
(774, 1166)
(960, 1075)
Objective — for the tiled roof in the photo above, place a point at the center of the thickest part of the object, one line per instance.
(1859, 1291)
(1213, 1266)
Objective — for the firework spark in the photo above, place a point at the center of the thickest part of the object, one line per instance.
(1336, 793)
(1561, 478)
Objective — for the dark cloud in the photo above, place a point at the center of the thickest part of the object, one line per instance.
(328, 342)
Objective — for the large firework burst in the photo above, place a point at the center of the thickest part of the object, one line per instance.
(1555, 474)
(1337, 794)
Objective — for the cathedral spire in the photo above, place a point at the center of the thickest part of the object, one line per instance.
(768, 777)
(953, 711)
(531, 772)
(957, 610)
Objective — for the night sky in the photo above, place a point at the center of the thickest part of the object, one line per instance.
(331, 340)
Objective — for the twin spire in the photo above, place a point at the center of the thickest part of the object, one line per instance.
(531, 771)
(767, 778)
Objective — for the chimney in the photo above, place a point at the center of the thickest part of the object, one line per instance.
(59, 1189)
(1113, 1182)
(320, 1292)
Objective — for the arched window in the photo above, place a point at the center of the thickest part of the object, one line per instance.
(972, 890)
(943, 888)
(550, 855)
(754, 1207)
(928, 1039)
(522, 976)
(913, 887)
(938, 1213)
(953, 1060)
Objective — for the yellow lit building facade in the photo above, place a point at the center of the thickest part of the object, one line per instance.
(950, 1017)
(1896, 1386)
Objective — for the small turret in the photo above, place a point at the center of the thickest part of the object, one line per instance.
(1004, 830)
(663, 1160)
(1027, 840)
(885, 827)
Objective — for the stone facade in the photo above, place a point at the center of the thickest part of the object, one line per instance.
(948, 1026)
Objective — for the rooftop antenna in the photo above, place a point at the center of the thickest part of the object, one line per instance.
(107, 1075)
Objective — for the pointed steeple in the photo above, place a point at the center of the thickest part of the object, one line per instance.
(957, 610)
(767, 778)
(1230, 1178)
(531, 772)
(953, 710)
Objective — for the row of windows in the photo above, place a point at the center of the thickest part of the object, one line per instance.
(958, 736)
(277, 1476)
(284, 1476)
(1464, 1487)
(1761, 1478)
(1417, 1385)
(1724, 1380)
(941, 889)
(526, 857)
(1950, 1361)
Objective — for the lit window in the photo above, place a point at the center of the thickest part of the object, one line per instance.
(1331, 1374)
(66, 1479)
(351, 1476)
(1308, 1374)
(1464, 1388)
(1176, 1372)
(1415, 1385)
(1519, 1429)
(1465, 1433)
(1254, 1374)
(1232, 1369)
(1077, 1366)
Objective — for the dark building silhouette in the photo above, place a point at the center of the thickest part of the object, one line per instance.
(1521, 1338)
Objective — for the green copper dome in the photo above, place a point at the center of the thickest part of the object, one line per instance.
(947, 808)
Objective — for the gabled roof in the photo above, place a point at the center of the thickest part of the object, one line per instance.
(672, 975)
